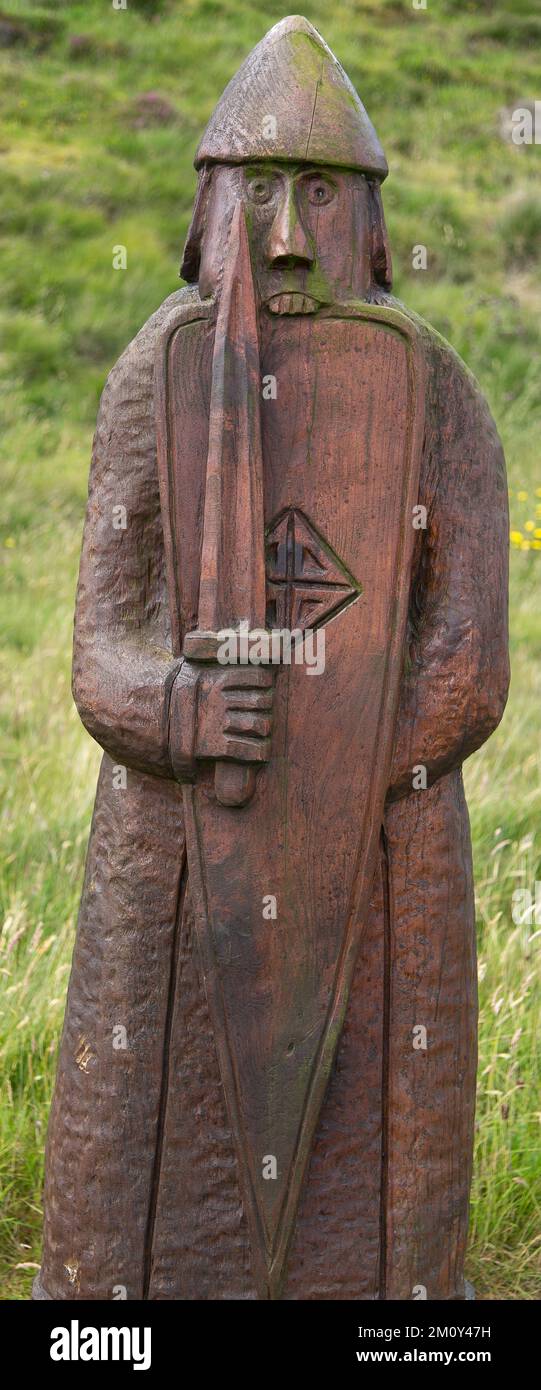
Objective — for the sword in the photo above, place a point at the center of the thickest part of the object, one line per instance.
(232, 579)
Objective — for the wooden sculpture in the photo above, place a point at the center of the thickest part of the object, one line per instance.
(267, 1074)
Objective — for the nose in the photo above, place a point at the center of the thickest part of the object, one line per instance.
(288, 244)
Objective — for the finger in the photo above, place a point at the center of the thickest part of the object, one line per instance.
(250, 750)
(241, 677)
(244, 722)
(249, 699)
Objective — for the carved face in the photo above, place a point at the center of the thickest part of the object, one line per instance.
(309, 230)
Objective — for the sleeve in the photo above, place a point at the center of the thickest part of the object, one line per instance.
(457, 669)
(123, 667)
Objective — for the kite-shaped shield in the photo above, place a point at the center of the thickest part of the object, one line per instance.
(280, 882)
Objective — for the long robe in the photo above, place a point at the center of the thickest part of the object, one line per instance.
(142, 1193)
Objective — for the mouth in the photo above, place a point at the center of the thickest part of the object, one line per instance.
(292, 302)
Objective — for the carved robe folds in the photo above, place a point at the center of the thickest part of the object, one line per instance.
(291, 1038)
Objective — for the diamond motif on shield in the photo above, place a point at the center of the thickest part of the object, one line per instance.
(306, 582)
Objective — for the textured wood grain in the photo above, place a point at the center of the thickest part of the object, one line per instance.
(200, 1241)
(315, 114)
(329, 435)
(244, 1037)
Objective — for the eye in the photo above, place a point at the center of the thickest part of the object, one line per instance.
(319, 192)
(260, 189)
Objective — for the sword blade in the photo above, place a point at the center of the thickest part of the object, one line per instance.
(232, 583)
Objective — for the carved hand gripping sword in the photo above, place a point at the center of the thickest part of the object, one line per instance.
(232, 583)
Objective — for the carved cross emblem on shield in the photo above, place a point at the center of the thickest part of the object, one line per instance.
(306, 582)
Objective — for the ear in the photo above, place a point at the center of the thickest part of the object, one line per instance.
(381, 252)
(189, 268)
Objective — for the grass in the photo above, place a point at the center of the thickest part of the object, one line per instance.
(88, 163)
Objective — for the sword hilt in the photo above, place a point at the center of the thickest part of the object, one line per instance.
(234, 783)
(232, 586)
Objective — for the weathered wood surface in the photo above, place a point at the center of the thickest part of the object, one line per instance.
(293, 1037)
(340, 376)
(319, 118)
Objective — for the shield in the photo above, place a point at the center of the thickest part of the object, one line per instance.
(281, 882)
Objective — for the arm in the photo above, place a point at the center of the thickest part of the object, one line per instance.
(457, 674)
(125, 681)
(123, 668)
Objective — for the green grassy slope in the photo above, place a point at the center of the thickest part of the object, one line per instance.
(101, 111)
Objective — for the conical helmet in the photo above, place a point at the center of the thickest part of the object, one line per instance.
(291, 100)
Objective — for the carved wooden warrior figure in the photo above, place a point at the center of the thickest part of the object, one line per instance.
(291, 630)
